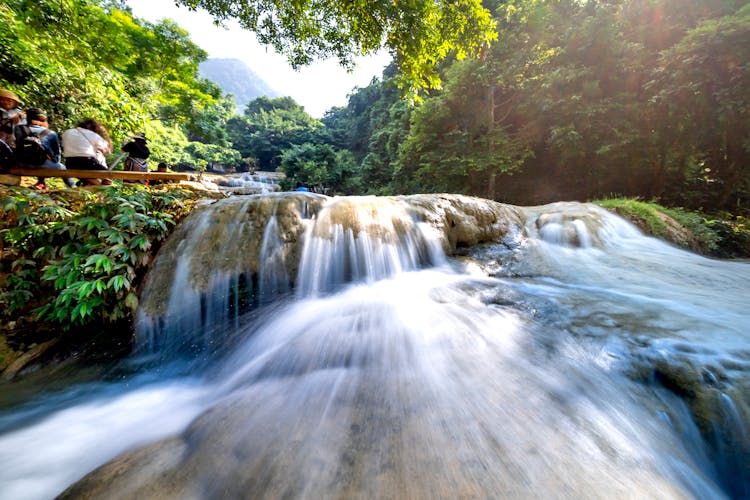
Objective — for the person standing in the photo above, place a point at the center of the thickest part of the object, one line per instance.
(86, 146)
(38, 126)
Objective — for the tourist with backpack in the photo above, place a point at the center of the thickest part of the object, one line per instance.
(138, 154)
(38, 147)
(86, 147)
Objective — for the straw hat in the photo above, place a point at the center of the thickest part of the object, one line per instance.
(9, 95)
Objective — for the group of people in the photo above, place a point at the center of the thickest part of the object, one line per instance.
(27, 141)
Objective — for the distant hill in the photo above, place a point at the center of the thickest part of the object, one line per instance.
(235, 77)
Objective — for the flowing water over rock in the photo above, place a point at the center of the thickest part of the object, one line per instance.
(246, 182)
(430, 346)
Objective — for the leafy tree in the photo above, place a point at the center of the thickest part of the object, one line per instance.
(372, 127)
(270, 127)
(52, 55)
(703, 85)
(311, 165)
(456, 141)
(167, 144)
(576, 100)
(212, 155)
(350, 126)
(53, 64)
(390, 123)
(418, 33)
(270, 104)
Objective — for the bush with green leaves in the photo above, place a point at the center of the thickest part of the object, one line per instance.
(76, 260)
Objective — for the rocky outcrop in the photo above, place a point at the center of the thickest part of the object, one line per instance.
(464, 221)
(232, 236)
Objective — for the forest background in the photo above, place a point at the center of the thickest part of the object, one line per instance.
(575, 100)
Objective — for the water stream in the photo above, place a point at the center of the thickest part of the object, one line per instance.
(307, 347)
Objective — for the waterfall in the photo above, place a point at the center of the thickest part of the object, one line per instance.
(430, 346)
(225, 260)
(248, 183)
(363, 239)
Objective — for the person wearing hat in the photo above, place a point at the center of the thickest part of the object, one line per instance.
(138, 154)
(39, 126)
(10, 116)
(10, 110)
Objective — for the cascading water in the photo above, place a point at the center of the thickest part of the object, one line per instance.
(558, 353)
(248, 183)
(363, 240)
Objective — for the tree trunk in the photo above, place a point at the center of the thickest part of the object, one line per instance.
(490, 141)
(656, 189)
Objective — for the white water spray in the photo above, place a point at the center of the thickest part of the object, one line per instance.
(582, 360)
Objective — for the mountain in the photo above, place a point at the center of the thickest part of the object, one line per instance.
(235, 77)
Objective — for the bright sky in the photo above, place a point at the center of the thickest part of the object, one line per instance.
(317, 87)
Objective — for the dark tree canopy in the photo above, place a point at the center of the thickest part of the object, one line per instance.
(576, 100)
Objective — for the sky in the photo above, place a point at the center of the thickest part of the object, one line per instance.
(317, 87)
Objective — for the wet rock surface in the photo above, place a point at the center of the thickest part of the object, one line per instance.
(536, 364)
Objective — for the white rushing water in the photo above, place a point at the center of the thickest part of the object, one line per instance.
(579, 359)
(40, 459)
(248, 183)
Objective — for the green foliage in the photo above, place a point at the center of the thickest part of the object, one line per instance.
(644, 98)
(455, 142)
(167, 144)
(209, 155)
(579, 99)
(57, 67)
(313, 165)
(719, 234)
(91, 59)
(270, 127)
(88, 257)
(703, 85)
(372, 127)
(418, 33)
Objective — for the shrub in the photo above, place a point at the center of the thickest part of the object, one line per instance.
(77, 260)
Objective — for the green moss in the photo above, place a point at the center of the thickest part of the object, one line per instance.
(719, 235)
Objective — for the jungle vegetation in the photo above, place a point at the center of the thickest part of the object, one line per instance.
(523, 101)
(568, 99)
(79, 59)
(575, 101)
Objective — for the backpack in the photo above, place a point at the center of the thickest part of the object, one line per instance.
(29, 147)
(6, 156)
(137, 149)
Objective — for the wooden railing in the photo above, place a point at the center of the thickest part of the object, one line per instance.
(102, 174)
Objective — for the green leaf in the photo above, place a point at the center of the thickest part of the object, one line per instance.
(131, 301)
(116, 282)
